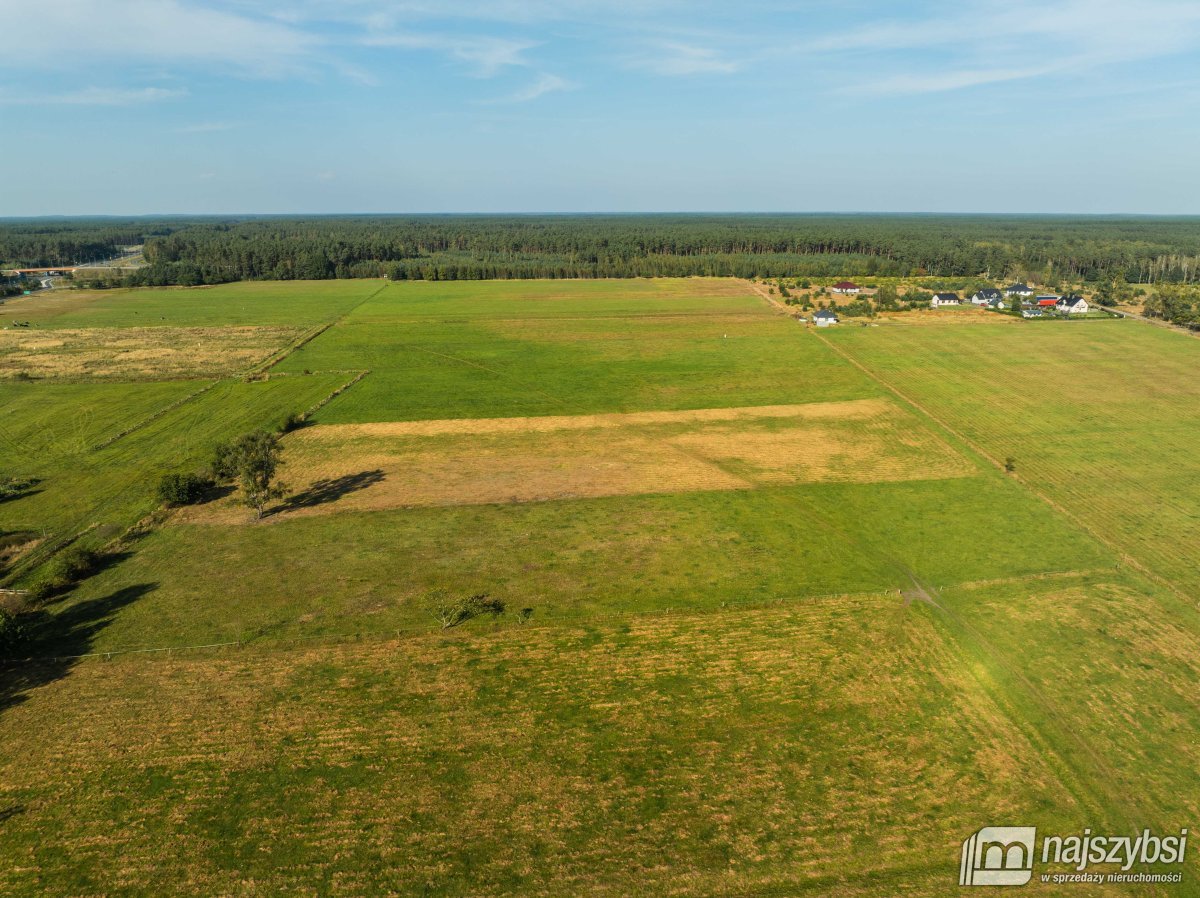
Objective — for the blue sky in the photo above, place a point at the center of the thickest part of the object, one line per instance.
(149, 106)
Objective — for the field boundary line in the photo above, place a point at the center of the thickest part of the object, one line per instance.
(315, 332)
(996, 463)
(336, 393)
(155, 415)
(280, 354)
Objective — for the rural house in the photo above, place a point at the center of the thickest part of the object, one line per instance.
(1018, 290)
(944, 299)
(846, 287)
(1048, 301)
(1031, 313)
(1073, 305)
(825, 318)
(986, 296)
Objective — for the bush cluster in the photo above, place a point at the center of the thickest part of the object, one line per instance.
(182, 489)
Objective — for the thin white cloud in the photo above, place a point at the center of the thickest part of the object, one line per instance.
(545, 83)
(677, 59)
(167, 31)
(485, 56)
(95, 96)
(1015, 40)
(949, 79)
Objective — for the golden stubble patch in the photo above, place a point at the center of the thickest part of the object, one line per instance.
(362, 467)
(138, 352)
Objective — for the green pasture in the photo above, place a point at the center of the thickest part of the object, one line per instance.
(370, 572)
(470, 350)
(1102, 417)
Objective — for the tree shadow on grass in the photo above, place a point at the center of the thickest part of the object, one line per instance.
(53, 640)
(325, 491)
(20, 490)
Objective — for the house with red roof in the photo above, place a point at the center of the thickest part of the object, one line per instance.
(848, 287)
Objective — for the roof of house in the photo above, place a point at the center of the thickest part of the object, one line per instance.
(825, 313)
(1014, 288)
(845, 285)
(1072, 300)
(988, 293)
(947, 296)
(1047, 300)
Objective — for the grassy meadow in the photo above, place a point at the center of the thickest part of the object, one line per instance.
(1100, 417)
(792, 631)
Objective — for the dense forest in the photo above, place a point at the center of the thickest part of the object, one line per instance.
(460, 247)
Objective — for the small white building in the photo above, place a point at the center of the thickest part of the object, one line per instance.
(848, 288)
(986, 296)
(1073, 305)
(825, 318)
(944, 299)
(1018, 290)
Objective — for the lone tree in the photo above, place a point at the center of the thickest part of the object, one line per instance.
(251, 461)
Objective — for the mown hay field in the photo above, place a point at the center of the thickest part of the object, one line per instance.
(836, 747)
(138, 353)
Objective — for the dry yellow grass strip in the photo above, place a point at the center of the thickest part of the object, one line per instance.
(361, 467)
(857, 409)
(138, 352)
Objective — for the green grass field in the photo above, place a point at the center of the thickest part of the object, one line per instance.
(1101, 418)
(815, 668)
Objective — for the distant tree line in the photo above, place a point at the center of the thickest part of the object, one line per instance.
(434, 247)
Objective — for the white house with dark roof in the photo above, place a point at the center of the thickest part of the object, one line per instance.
(944, 299)
(1072, 305)
(986, 296)
(1018, 290)
(825, 318)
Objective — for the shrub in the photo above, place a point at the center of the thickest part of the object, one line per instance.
(182, 489)
(291, 422)
(450, 612)
(74, 564)
(12, 633)
(223, 466)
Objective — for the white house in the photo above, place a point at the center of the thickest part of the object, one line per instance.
(1072, 305)
(1018, 290)
(944, 299)
(1031, 313)
(825, 318)
(986, 296)
(848, 288)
